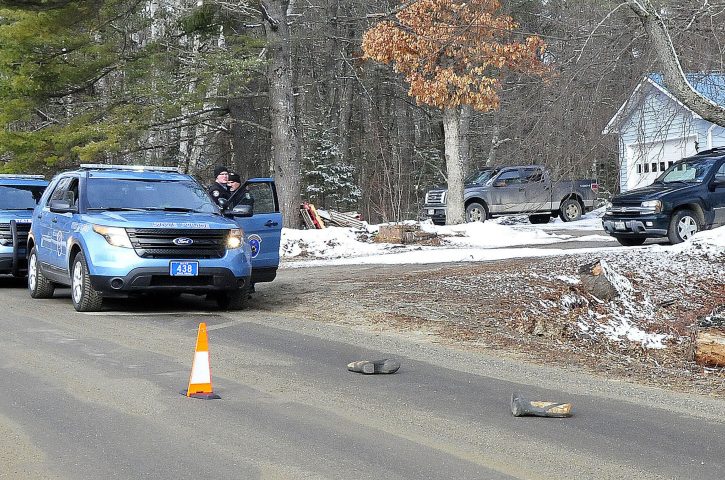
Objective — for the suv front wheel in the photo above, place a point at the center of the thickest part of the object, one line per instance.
(233, 299)
(683, 225)
(85, 298)
(39, 286)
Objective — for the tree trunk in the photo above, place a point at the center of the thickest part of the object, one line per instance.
(455, 165)
(674, 77)
(285, 143)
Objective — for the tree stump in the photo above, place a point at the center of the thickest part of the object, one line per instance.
(594, 281)
(710, 339)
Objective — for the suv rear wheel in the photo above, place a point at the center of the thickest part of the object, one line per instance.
(683, 225)
(85, 298)
(39, 286)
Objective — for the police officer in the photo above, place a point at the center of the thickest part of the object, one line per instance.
(219, 188)
(242, 197)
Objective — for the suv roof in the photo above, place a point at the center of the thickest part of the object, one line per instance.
(134, 168)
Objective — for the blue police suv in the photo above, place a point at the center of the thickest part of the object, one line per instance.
(111, 230)
(19, 194)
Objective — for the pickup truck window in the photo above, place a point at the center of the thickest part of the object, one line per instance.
(146, 194)
(690, 171)
(532, 175)
(480, 176)
(19, 197)
(510, 177)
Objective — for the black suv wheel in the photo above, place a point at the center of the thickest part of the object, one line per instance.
(683, 225)
(631, 241)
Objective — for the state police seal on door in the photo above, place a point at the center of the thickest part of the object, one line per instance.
(255, 243)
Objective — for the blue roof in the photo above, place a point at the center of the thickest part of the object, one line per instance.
(710, 85)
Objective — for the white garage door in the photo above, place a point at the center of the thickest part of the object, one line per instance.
(646, 161)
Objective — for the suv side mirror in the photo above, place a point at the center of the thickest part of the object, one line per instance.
(61, 206)
(222, 202)
(242, 210)
(717, 182)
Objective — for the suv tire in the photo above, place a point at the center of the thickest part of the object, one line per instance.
(84, 297)
(476, 212)
(39, 286)
(570, 210)
(631, 241)
(683, 225)
(233, 299)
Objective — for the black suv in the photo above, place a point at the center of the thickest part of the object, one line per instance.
(688, 197)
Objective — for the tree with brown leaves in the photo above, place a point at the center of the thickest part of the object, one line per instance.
(453, 53)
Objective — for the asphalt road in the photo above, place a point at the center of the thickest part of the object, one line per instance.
(89, 396)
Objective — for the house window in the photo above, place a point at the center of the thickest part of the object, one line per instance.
(662, 166)
(654, 166)
(639, 168)
(670, 163)
(646, 168)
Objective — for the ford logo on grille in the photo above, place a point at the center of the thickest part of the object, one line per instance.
(182, 241)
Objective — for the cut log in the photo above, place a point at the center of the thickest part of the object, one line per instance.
(594, 281)
(710, 347)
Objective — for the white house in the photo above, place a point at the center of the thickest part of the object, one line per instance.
(655, 129)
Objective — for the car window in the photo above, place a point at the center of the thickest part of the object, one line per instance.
(532, 175)
(720, 174)
(111, 193)
(263, 197)
(19, 197)
(61, 189)
(510, 177)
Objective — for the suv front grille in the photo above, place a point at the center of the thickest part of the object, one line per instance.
(159, 243)
(633, 209)
(6, 236)
(435, 197)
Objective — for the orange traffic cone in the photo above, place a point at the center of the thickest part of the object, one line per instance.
(200, 378)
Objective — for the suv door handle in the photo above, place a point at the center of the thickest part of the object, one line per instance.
(270, 223)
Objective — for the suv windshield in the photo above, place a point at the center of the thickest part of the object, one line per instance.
(479, 176)
(145, 194)
(19, 197)
(694, 171)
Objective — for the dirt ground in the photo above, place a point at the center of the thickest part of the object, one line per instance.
(532, 309)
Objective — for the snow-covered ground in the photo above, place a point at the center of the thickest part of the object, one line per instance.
(459, 243)
(627, 318)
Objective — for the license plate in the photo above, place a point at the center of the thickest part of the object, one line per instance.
(620, 226)
(184, 269)
(431, 211)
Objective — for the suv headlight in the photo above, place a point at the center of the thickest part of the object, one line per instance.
(115, 236)
(235, 239)
(653, 205)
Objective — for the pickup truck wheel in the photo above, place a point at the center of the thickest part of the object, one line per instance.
(84, 297)
(570, 210)
(631, 241)
(539, 219)
(475, 212)
(233, 300)
(683, 225)
(39, 286)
